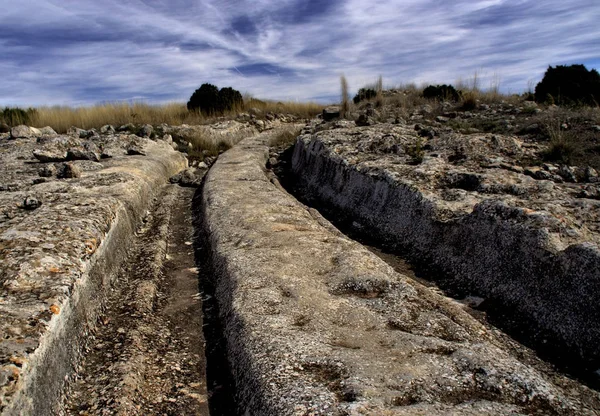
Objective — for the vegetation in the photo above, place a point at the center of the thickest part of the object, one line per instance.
(16, 116)
(285, 138)
(117, 114)
(364, 94)
(441, 92)
(345, 107)
(569, 85)
(209, 100)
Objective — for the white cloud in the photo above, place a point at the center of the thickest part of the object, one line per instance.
(58, 52)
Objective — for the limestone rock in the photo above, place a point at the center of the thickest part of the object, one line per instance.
(68, 171)
(24, 132)
(30, 203)
(47, 171)
(331, 113)
(77, 132)
(146, 131)
(50, 155)
(107, 129)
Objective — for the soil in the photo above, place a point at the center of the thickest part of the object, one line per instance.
(147, 353)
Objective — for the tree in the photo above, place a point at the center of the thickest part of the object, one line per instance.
(571, 85)
(204, 99)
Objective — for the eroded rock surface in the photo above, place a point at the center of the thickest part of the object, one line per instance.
(523, 236)
(317, 324)
(61, 241)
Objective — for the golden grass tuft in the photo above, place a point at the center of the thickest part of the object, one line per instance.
(345, 107)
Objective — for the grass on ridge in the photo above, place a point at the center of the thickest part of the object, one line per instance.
(61, 118)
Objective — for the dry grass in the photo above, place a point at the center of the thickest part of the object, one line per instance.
(345, 107)
(207, 141)
(61, 118)
(285, 138)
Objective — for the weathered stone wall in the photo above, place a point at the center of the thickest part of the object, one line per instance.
(501, 252)
(59, 257)
(316, 324)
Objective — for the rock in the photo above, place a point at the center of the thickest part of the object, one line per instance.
(146, 131)
(30, 203)
(331, 113)
(68, 171)
(365, 120)
(77, 153)
(4, 128)
(191, 177)
(175, 146)
(89, 151)
(243, 117)
(77, 132)
(107, 129)
(24, 132)
(442, 119)
(50, 155)
(270, 116)
(135, 149)
(255, 111)
(47, 171)
(167, 138)
(48, 131)
(531, 129)
(126, 127)
(202, 165)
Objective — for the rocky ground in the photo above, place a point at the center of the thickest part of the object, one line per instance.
(488, 212)
(317, 324)
(99, 294)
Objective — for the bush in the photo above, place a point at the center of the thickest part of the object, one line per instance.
(16, 116)
(442, 92)
(229, 99)
(469, 102)
(364, 94)
(570, 85)
(204, 99)
(209, 100)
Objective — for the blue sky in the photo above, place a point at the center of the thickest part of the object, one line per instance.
(79, 52)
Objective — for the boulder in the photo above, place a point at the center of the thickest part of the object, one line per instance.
(50, 155)
(68, 171)
(24, 132)
(77, 132)
(47, 171)
(107, 129)
(145, 131)
(48, 131)
(331, 113)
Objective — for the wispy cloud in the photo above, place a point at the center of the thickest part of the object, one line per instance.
(81, 52)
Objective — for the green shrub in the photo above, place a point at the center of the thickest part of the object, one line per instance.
(364, 94)
(204, 99)
(209, 100)
(570, 85)
(441, 92)
(416, 152)
(229, 99)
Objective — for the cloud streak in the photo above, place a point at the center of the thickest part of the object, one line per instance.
(81, 52)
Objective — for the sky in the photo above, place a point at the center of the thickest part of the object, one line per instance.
(82, 52)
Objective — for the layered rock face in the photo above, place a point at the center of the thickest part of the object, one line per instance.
(316, 324)
(524, 237)
(69, 208)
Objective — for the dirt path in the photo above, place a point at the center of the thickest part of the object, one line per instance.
(146, 356)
